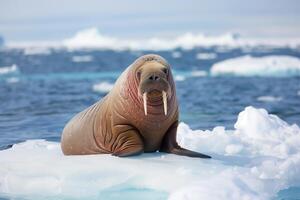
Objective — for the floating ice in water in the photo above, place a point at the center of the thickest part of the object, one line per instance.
(9, 69)
(258, 66)
(12, 80)
(179, 78)
(176, 54)
(37, 51)
(198, 73)
(260, 157)
(269, 98)
(206, 56)
(103, 87)
(85, 58)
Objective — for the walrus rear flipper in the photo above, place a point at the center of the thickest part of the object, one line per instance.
(169, 144)
(185, 152)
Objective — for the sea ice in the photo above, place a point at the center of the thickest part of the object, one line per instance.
(103, 87)
(206, 56)
(269, 99)
(255, 160)
(258, 66)
(9, 69)
(82, 58)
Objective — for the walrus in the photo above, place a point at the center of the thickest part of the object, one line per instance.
(140, 114)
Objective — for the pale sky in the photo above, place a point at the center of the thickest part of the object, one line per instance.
(23, 20)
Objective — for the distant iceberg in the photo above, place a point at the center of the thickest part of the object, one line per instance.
(260, 157)
(258, 66)
(93, 38)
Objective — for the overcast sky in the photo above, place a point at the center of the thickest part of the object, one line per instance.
(22, 20)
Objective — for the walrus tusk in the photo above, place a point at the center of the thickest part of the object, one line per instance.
(164, 94)
(145, 102)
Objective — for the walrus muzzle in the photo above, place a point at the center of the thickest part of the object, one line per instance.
(155, 89)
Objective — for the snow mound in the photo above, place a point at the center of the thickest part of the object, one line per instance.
(258, 66)
(103, 87)
(9, 69)
(257, 159)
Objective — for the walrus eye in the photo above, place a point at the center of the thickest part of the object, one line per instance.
(165, 70)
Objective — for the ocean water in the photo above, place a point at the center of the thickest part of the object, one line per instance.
(41, 91)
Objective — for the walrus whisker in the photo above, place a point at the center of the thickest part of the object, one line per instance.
(164, 94)
(145, 102)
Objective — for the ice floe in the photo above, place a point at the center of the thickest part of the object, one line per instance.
(206, 56)
(258, 66)
(83, 58)
(176, 54)
(255, 160)
(269, 99)
(9, 69)
(37, 51)
(103, 87)
(198, 73)
(12, 80)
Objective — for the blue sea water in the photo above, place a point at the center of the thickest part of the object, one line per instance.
(39, 98)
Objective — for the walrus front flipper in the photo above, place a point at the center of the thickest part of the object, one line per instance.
(128, 141)
(169, 144)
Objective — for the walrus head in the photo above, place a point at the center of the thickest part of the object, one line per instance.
(153, 76)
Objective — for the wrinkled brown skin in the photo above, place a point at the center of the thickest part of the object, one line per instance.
(117, 124)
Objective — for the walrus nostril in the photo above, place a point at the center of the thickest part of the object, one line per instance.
(154, 78)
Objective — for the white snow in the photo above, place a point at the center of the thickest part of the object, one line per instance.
(260, 157)
(258, 66)
(93, 38)
(103, 87)
(206, 56)
(9, 69)
(83, 58)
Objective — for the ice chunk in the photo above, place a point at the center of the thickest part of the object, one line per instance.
(258, 66)
(84, 58)
(179, 78)
(269, 99)
(9, 69)
(28, 51)
(103, 87)
(206, 56)
(176, 54)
